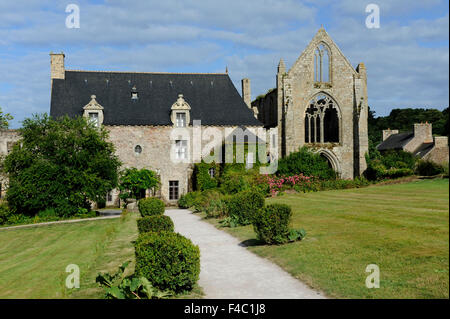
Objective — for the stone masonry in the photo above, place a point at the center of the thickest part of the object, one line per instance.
(285, 106)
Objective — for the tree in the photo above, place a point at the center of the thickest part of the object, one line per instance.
(4, 119)
(134, 182)
(60, 164)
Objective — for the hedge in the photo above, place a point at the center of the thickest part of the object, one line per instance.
(168, 260)
(151, 206)
(155, 223)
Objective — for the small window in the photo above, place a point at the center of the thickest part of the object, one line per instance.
(138, 149)
(93, 118)
(212, 172)
(181, 149)
(181, 119)
(110, 197)
(173, 190)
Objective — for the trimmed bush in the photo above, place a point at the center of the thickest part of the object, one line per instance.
(155, 223)
(271, 224)
(151, 206)
(243, 206)
(168, 260)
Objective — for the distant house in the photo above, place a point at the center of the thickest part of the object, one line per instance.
(420, 142)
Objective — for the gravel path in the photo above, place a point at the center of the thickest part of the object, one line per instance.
(229, 270)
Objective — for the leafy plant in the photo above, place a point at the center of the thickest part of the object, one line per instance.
(133, 182)
(5, 118)
(117, 286)
(189, 200)
(296, 234)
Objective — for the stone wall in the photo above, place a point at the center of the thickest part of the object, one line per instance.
(440, 152)
(7, 139)
(156, 145)
(346, 86)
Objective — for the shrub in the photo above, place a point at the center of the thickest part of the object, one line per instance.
(53, 166)
(168, 260)
(202, 178)
(189, 200)
(307, 163)
(271, 224)
(204, 200)
(233, 179)
(243, 206)
(429, 168)
(155, 223)
(5, 213)
(216, 208)
(398, 159)
(151, 206)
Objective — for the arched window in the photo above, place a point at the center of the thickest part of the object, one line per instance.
(321, 64)
(322, 120)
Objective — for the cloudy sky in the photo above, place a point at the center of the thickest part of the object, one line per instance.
(407, 58)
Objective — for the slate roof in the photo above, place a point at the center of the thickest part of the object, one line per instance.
(213, 98)
(395, 141)
(423, 149)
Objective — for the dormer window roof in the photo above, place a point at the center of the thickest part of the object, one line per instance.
(180, 112)
(93, 111)
(134, 93)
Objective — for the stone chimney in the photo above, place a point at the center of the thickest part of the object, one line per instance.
(246, 94)
(57, 70)
(388, 132)
(441, 141)
(423, 132)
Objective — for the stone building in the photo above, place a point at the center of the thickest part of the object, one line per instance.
(150, 116)
(7, 140)
(420, 141)
(321, 101)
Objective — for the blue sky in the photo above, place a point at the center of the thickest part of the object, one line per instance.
(407, 58)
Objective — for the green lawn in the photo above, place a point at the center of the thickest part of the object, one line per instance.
(403, 228)
(33, 260)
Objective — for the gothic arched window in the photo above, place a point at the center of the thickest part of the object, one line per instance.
(322, 120)
(322, 64)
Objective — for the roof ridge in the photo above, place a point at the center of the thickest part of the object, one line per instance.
(196, 73)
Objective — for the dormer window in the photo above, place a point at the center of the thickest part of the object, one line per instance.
(93, 111)
(181, 119)
(93, 118)
(134, 93)
(180, 112)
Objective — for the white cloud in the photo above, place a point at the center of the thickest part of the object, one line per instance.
(407, 58)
